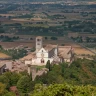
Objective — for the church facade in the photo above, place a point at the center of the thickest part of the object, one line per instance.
(53, 53)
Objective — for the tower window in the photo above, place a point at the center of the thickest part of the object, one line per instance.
(38, 39)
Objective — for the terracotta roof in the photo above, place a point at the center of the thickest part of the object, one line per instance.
(49, 47)
(5, 62)
(13, 88)
(2, 64)
(29, 56)
(39, 37)
(64, 51)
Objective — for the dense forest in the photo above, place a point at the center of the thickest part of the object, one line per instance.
(64, 90)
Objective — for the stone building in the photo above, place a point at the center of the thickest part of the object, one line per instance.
(2, 68)
(54, 53)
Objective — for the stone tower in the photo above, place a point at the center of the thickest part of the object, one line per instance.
(39, 43)
(56, 51)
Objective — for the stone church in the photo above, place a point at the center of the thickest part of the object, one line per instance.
(54, 53)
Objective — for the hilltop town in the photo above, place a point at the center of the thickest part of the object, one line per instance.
(47, 48)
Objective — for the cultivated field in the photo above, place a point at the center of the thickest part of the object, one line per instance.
(2, 55)
(6, 15)
(64, 41)
(82, 51)
(46, 16)
(16, 44)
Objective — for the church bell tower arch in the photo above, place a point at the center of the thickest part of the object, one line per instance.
(39, 42)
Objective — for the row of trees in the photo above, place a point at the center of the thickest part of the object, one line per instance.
(74, 26)
(50, 31)
(80, 26)
(8, 39)
(86, 39)
(14, 53)
(8, 7)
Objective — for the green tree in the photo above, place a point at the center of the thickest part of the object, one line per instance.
(48, 65)
(53, 38)
(2, 89)
(62, 69)
(9, 94)
(64, 90)
(5, 80)
(24, 84)
(46, 38)
(1, 48)
(12, 78)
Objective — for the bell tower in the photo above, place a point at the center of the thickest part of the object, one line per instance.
(39, 44)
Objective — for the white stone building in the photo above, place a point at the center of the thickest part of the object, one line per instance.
(54, 53)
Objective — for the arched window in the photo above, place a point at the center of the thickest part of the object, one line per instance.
(42, 60)
(38, 39)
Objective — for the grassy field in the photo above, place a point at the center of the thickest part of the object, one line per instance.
(2, 55)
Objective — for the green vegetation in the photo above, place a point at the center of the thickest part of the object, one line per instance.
(79, 39)
(8, 39)
(1, 29)
(36, 25)
(8, 8)
(24, 84)
(14, 53)
(9, 79)
(43, 31)
(54, 38)
(48, 65)
(91, 46)
(64, 90)
(24, 16)
(80, 26)
(61, 80)
(79, 72)
(55, 20)
(51, 20)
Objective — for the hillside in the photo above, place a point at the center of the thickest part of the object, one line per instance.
(78, 79)
(79, 72)
(64, 90)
